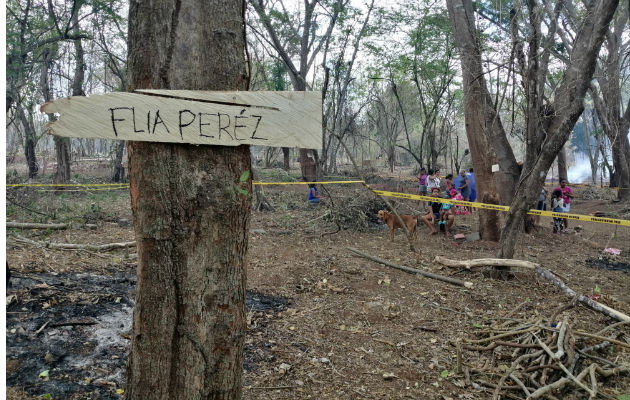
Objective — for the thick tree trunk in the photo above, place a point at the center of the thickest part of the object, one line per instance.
(307, 165)
(562, 165)
(191, 217)
(286, 157)
(569, 104)
(62, 155)
(621, 161)
(62, 144)
(475, 108)
(119, 170)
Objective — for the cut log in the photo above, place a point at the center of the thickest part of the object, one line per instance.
(486, 262)
(75, 246)
(32, 225)
(413, 270)
(540, 271)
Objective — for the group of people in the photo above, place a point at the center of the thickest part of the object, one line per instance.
(442, 215)
(560, 202)
(463, 184)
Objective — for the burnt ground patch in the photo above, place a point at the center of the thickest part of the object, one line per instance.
(609, 264)
(77, 327)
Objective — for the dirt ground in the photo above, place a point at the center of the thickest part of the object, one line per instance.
(322, 322)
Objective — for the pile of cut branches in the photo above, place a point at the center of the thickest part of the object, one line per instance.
(531, 359)
(356, 212)
(596, 193)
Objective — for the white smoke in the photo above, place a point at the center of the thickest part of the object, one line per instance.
(580, 171)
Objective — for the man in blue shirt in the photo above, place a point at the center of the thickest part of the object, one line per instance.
(473, 188)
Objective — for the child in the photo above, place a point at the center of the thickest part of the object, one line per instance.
(542, 206)
(313, 196)
(433, 212)
(433, 181)
(455, 195)
(422, 182)
(446, 216)
(557, 205)
(448, 181)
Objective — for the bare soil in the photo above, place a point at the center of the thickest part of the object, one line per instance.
(322, 323)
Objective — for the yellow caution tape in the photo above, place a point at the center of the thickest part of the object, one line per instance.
(126, 184)
(65, 185)
(84, 190)
(303, 183)
(497, 207)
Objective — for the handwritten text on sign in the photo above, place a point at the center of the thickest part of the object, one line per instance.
(279, 119)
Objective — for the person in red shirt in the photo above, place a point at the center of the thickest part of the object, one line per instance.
(567, 195)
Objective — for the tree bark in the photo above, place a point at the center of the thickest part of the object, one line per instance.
(286, 158)
(190, 211)
(562, 165)
(617, 127)
(30, 140)
(475, 107)
(62, 144)
(568, 106)
(119, 170)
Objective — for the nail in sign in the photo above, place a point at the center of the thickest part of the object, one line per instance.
(277, 119)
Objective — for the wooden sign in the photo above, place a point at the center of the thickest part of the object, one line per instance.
(278, 119)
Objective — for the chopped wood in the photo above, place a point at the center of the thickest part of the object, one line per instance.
(33, 225)
(413, 270)
(561, 365)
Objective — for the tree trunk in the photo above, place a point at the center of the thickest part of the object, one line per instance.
(568, 106)
(286, 156)
(119, 170)
(30, 140)
(62, 144)
(307, 165)
(191, 216)
(621, 160)
(562, 165)
(461, 16)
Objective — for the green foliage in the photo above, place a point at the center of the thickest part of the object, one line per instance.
(244, 176)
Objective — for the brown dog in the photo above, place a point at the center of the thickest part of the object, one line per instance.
(393, 224)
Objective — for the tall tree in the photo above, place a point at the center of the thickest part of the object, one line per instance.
(303, 42)
(483, 125)
(191, 216)
(567, 107)
(339, 115)
(608, 101)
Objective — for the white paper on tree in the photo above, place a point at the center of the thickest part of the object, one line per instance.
(277, 119)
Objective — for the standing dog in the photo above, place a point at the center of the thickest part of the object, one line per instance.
(392, 222)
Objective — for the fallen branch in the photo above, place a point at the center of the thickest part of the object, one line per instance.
(484, 262)
(72, 323)
(561, 365)
(32, 225)
(75, 246)
(548, 275)
(413, 270)
(542, 272)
